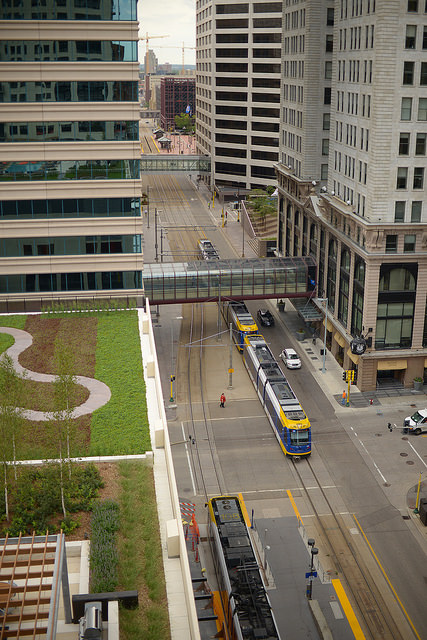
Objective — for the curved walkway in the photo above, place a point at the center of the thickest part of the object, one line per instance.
(99, 393)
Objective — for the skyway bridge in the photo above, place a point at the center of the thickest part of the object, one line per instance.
(171, 163)
(243, 279)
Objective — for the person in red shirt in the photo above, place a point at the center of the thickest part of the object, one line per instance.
(222, 400)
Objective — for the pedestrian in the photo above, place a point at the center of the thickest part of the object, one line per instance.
(343, 398)
(222, 400)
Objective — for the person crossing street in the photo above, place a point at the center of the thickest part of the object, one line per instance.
(222, 401)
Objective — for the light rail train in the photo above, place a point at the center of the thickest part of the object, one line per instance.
(286, 415)
(246, 606)
(241, 320)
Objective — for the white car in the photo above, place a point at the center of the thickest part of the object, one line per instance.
(291, 359)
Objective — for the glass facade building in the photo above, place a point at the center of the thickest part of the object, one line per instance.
(70, 155)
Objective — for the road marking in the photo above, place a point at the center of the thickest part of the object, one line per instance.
(348, 610)
(372, 460)
(416, 452)
(245, 511)
(387, 578)
(294, 506)
(188, 459)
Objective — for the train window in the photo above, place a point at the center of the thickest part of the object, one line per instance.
(299, 436)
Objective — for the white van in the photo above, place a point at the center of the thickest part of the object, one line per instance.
(417, 422)
(291, 359)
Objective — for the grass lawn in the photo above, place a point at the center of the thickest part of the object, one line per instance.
(104, 346)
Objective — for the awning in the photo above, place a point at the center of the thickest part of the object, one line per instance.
(353, 357)
(330, 326)
(389, 365)
(339, 338)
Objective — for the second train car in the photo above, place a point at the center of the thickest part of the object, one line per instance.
(241, 320)
(284, 411)
(246, 606)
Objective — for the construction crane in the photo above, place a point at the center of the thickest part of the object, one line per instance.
(166, 46)
(147, 38)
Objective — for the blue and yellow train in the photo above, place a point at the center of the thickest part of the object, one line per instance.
(286, 415)
(245, 603)
(241, 320)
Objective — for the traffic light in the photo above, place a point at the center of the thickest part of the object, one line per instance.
(352, 375)
(344, 376)
(172, 378)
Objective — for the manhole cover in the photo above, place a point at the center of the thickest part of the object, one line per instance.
(410, 462)
(378, 435)
(403, 455)
(406, 517)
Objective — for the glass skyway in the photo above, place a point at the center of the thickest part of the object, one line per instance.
(245, 279)
(169, 163)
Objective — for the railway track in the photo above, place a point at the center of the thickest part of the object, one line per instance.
(371, 607)
(204, 459)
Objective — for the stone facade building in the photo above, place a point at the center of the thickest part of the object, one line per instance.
(352, 175)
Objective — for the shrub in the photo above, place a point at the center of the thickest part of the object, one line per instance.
(103, 546)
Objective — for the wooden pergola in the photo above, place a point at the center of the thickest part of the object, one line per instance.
(32, 571)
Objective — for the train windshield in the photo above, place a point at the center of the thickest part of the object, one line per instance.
(295, 414)
(299, 436)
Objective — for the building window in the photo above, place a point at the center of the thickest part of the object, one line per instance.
(404, 144)
(409, 244)
(418, 178)
(408, 72)
(402, 177)
(406, 109)
(391, 244)
(422, 109)
(399, 211)
(411, 35)
(330, 17)
(412, 6)
(416, 208)
(425, 38)
(420, 144)
(329, 43)
(423, 74)
(323, 171)
(327, 95)
(326, 121)
(325, 146)
(328, 69)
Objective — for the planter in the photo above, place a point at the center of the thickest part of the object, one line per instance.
(300, 335)
(418, 385)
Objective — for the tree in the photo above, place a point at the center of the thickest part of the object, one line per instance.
(62, 419)
(11, 418)
(263, 203)
(186, 122)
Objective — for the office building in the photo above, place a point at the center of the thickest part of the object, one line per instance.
(177, 95)
(238, 49)
(351, 176)
(70, 198)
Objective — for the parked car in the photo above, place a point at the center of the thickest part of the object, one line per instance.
(291, 359)
(416, 423)
(265, 317)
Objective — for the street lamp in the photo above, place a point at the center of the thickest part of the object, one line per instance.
(312, 574)
(325, 300)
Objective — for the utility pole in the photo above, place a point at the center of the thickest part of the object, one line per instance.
(155, 235)
(230, 368)
(148, 206)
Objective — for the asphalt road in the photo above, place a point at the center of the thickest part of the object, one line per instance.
(366, 464)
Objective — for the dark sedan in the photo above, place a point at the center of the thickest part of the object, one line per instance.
(265, 317)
